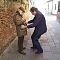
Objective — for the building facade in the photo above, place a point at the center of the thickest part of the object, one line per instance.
(53, 6)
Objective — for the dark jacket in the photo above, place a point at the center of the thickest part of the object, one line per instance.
(39, 23)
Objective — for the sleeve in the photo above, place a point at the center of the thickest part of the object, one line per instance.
(31, 21)
(35, 23)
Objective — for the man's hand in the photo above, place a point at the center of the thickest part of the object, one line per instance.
(23, 27)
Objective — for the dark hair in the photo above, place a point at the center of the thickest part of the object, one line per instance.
(33, 9)
(21, 8)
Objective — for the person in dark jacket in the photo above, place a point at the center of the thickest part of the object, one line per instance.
(39, 23)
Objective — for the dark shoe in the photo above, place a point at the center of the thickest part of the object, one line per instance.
(38, 52)
(33, 48)
(22, 52)
(24, 48)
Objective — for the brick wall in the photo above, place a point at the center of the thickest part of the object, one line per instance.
(7, 28)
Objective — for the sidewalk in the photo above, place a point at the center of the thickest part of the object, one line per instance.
(50, 42)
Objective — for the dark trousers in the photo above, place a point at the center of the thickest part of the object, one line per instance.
(35, 36)
(20, 43)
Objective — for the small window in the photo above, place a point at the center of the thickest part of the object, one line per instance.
(59, 6)
(55, 6)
